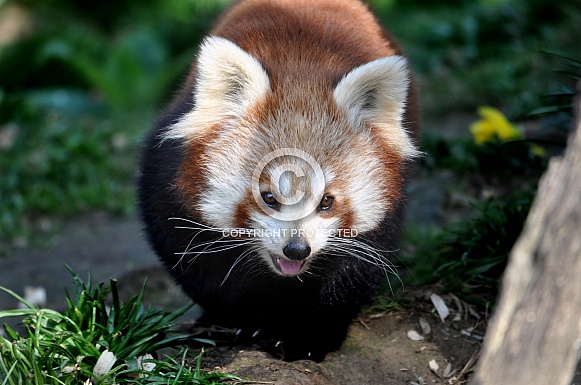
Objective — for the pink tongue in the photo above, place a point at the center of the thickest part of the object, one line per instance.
(289, 267)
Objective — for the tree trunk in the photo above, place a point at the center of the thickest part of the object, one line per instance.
(535, 334)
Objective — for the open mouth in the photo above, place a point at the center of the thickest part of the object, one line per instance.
(288, 266)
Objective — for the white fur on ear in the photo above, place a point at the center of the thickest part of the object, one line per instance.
(376, 92)
(228, 81)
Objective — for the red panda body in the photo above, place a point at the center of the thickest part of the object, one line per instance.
(272, 185)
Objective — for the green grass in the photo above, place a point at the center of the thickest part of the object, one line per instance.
(65, 348)
(468, 258)
(180, 370)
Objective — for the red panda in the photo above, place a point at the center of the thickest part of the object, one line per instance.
(272, 185)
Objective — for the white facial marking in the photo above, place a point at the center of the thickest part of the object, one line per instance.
(229, 80)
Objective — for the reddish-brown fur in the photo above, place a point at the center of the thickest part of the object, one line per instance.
(191, 173)
(306, 47)
(270, 31)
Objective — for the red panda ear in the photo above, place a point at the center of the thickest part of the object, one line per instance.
(228, 81)
(376, 93)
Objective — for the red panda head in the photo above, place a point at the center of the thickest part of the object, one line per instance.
(297, 162)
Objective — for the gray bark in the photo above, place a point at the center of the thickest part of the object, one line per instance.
(535, 334)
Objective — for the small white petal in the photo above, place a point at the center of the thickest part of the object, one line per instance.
(104, 364)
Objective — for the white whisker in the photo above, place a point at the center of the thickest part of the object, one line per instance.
(228, 241)
(367, 244)
(220, 244)
(190, 221)
(240, 257)
(242, 231)
(365, 252)
(179, 262)
(217, 249)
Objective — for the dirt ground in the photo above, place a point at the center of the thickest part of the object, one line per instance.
(378, 350)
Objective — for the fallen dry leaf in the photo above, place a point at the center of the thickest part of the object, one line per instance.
(426, 329)
(441, 307)
(414, 335)
(433, 365)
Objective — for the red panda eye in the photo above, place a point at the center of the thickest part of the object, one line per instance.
(269, 199)
(326, 202)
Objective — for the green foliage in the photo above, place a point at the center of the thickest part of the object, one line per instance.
(494, 160)
(485, 52)
(182, 372)
(561, 100)
(484, 244)
(127, 330)
(469, 257)
(386, 303)
(76, 96)
(64, 348)
(64, 156)
(63, 164)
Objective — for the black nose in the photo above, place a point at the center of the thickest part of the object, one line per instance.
(297, 250)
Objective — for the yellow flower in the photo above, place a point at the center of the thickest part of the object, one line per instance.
(538, 151)
(493, 124)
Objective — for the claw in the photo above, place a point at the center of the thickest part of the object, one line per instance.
(256, 333)
(279, 343)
